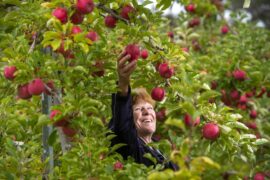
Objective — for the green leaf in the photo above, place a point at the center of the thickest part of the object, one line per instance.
(261, 141)
(188, 107)
(52, 138)
(150, 157)
(163, 175)
(175, 122)
(225, 129)
(84, 47)
(81, 68)
(205, 96)
(247, 136)
(202, 163)
(246, 4)
(55, 44)
(43, 120)
(237, 125)
(117, 146)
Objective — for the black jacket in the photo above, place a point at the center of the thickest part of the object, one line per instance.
(123, 126)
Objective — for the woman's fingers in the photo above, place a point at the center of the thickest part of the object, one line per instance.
(122, 61)
(122, 54)
(129, 68)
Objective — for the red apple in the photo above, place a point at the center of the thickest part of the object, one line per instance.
(76, 30)
(251, 125)
(258, 135)
(23, 92)
(242, 106)
(61, 14)
(190, 8)
(224, 29)
(134, 51)
(66, 53)
(165, 71)
(110, 21)
(9, 72)
(214, 85)
(224, 98)
(100, 66)
(253, 114)
(196, 45)
(126, 11)
(249, 94)
(170, 34)
(243, 99)
(36, 87)
(263, 90)
(189, 122)
(239, 74)
(70, 132)
(69, 55)
(77, 17)
(161, 114)
(118, 165)
(210, 131)
(144, 53)
(194, 22)
(92, 35)
(185, 49)
(60, 122)
(50, 84)
(259, 176)
(85, 6)
(157, 65)
(235, 94)
(158, 93)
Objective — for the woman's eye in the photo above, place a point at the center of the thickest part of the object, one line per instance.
(150, 108)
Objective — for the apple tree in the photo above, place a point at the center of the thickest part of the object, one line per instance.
(209, 76)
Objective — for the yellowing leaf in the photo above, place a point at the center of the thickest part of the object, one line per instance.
(164, 175)
(175, 122)
(202, 163)
(84, 47)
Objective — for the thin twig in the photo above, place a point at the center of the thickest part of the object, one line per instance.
(31, 49)
(53, 93)
(110, 11)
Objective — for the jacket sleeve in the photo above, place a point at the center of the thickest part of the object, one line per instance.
(122, 118)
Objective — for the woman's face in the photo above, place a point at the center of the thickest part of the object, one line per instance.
(144, 118)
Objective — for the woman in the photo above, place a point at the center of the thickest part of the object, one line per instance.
(134, 118)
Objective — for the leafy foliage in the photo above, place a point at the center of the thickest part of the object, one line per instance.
(39, 45)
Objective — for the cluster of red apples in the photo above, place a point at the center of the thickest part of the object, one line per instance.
(82, 8)
(63, 122)
(234, 98)
(165, 71)
(209, 131)
(34, 88)
(191, 8)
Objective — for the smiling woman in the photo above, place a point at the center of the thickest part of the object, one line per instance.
(134, 119)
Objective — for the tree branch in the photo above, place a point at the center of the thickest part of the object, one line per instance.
(110, 11)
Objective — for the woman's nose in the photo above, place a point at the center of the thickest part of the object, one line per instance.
(145, 111)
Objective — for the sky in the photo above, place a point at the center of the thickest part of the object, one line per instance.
(176, 8)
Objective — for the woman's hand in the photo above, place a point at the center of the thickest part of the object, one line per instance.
(124, 70)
